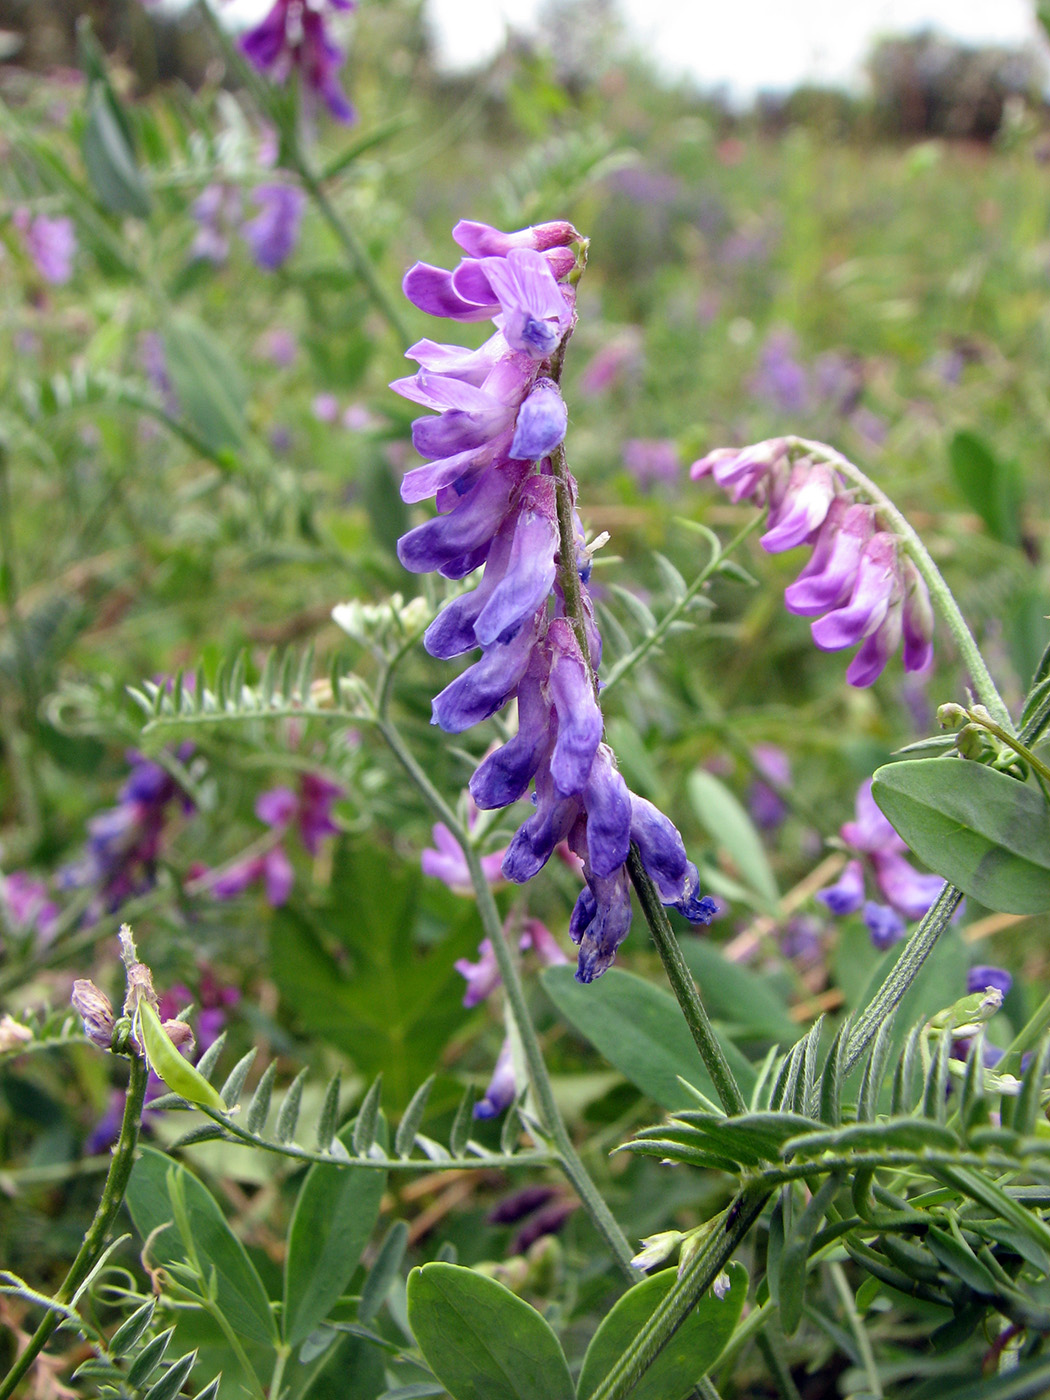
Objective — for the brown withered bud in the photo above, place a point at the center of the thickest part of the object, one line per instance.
(96, 1010)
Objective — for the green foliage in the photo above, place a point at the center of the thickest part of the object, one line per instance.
(693, 1350)
(986, 833)
(481, 1341)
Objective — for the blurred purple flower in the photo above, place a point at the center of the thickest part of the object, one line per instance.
(279, 346)
(51, 243)
(124, 842)
(325, 408)
(764, 802)
(292, 35)
(216, 210)
(879, 852)
(652, 460)
(27, 904)
(617, 359)
(273, 233)
(502, 1089)
(781, 380)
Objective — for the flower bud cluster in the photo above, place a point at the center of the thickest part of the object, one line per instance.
(858, 584)
(500, 417)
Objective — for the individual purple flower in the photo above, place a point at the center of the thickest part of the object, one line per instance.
(216, 211)
(772, 766)
(781, 379)
(879, 854)
(274, 232)
(292, 35)
(51, 243)
(500, 417)
(503, 1087)
(652, 461)
(27, 905)
(445, 861)
(869, 594)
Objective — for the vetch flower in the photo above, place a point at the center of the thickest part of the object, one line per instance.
(879, 854)
(501, 421)
(293, 36)
(274, 232)
(867, 593)
(51, 243)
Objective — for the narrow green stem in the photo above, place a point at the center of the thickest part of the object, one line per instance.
(1007, 738)
(684, 987)
(568, 571)
(95, 1239)
(311, 182)
(539, 1079)
(903, 973)
(940, 593)
(856, 1326)
(769, 1346)
(692, 1283)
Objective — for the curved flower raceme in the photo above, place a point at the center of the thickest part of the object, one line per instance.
(858, 584)
(500, 416)
(880, 852)
(292, 34)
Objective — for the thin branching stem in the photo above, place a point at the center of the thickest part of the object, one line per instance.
(95, 1239)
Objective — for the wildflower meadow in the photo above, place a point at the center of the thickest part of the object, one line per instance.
(524, 695)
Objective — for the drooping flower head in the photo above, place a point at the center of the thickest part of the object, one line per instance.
(500, 419)
(858, 583)
(292, 35)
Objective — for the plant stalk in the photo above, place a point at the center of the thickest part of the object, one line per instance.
(684, 987)
(95, 1239)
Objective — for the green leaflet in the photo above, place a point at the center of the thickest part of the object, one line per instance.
(335, 1213)
(690, 1353)
(732, 830)
(639, 1029)
(987, 834)
(482, 1341)
(239, 1290)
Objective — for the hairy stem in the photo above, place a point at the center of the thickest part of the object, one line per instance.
(903, 973)
(940, 593)
(95, 1239)
(693, 1282)
(684, 987)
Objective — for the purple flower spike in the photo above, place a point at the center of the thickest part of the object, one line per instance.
(663, 855)
(292, 35)
(500, 414)
(917, 620)
(828, 579)
(910, 893)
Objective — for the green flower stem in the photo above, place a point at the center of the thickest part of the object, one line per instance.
(903, 973)
(539, 1079)
(692, 1283)
(95, 1239)
(568, 573)
(988, 724)
(684, 987)
(310, 181)
(941, 594)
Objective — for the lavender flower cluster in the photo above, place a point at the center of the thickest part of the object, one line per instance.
(858, 578)
(500, 418)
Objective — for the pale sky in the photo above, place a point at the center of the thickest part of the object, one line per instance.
(748, 44)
